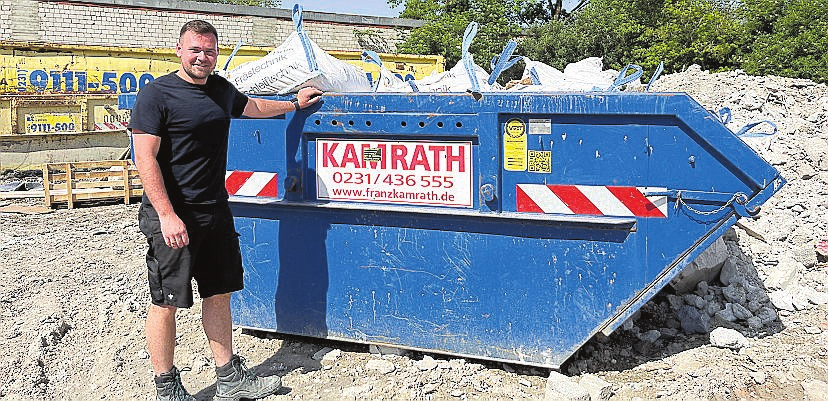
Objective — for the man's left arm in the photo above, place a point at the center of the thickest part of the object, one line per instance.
(263, 108)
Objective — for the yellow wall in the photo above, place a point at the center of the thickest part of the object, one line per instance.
(30, 68)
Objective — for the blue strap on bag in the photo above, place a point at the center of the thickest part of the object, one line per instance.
(504, 61)
(468, 62)
(656, 74)
(371, 57)
(533, 74)
(303, 37)
(745, 134)
(232, 54)
(725, 115)
(624, 79)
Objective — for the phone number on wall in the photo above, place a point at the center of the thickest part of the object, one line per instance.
(81, 81)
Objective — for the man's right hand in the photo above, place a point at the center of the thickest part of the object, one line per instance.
(308, 96)
(146, 151)
(174, 231)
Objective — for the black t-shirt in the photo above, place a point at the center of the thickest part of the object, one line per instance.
(193, 122)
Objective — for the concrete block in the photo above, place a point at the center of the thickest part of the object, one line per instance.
(560, 387)
(599, 389)
(705, 267)
(782, 300)
(785, 274)
(815, 390)
(728, 338)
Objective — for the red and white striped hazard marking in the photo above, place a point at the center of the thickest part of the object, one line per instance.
(591, 199)
(111, 126)
(250, 183)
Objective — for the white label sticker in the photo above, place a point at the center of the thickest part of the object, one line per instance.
(403, 172)
(540, 126)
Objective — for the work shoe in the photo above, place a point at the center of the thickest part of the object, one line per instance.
(168, 387)
(235, 382)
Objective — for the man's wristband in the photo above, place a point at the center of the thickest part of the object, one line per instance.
(295, 102)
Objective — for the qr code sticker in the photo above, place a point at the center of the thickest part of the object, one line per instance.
(540, 161)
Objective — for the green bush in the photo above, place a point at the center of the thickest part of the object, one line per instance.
(779, 37)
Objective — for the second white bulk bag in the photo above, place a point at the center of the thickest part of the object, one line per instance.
(386, 80)
(465, 76)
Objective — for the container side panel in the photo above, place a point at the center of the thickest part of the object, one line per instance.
(462, 286)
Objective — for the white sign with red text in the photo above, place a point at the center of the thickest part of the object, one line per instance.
(405, 172)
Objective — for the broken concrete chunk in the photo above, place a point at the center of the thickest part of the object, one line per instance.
(599, 390)
(728, 338)
(729, 273)
(782, 300)
(727, 313)
(815, 390)
(784, 275)
(705, 267)
(561, 388)
(692, 321)
(427, 363)
(740, 312)
(321, 353)
(380, 365)
(735, 293)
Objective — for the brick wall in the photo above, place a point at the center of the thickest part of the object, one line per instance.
(117, 23)
(5, 24)
(113, 26)
(18, 20)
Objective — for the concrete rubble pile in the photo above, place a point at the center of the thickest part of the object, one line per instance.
(770, 263)
(766, 268)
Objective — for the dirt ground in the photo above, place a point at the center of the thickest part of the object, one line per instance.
(73, 301)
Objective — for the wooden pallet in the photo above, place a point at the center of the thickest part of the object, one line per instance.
(69, 183)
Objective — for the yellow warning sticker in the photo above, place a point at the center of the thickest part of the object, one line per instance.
(540, 161)
(514, 146)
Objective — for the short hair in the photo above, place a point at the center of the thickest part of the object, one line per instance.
(200, 27)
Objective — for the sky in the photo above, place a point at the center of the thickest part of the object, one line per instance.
(377, 8)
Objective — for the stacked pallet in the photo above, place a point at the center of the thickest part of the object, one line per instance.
(69, 183)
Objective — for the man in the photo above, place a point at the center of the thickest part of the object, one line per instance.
(180, 125)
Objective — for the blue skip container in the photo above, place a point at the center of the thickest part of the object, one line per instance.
(507, 227)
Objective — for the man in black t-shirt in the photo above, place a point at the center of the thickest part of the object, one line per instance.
(180, 125)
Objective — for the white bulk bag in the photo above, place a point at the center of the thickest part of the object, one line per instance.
(541, 74)
(588, 74)
(585, 75)
(386, 81)
(465, 76)
(295, 64)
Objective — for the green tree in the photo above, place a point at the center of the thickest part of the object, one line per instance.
(781, 37)
(609, 29)
(446, 21)
(693, 32)
(791, 38)
(677, 32)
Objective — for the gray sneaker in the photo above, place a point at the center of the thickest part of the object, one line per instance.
(168, 387)
(235, 382)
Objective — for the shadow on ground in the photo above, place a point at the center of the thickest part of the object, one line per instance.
(295, 353)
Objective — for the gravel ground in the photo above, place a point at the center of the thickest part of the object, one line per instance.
(73, 302)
